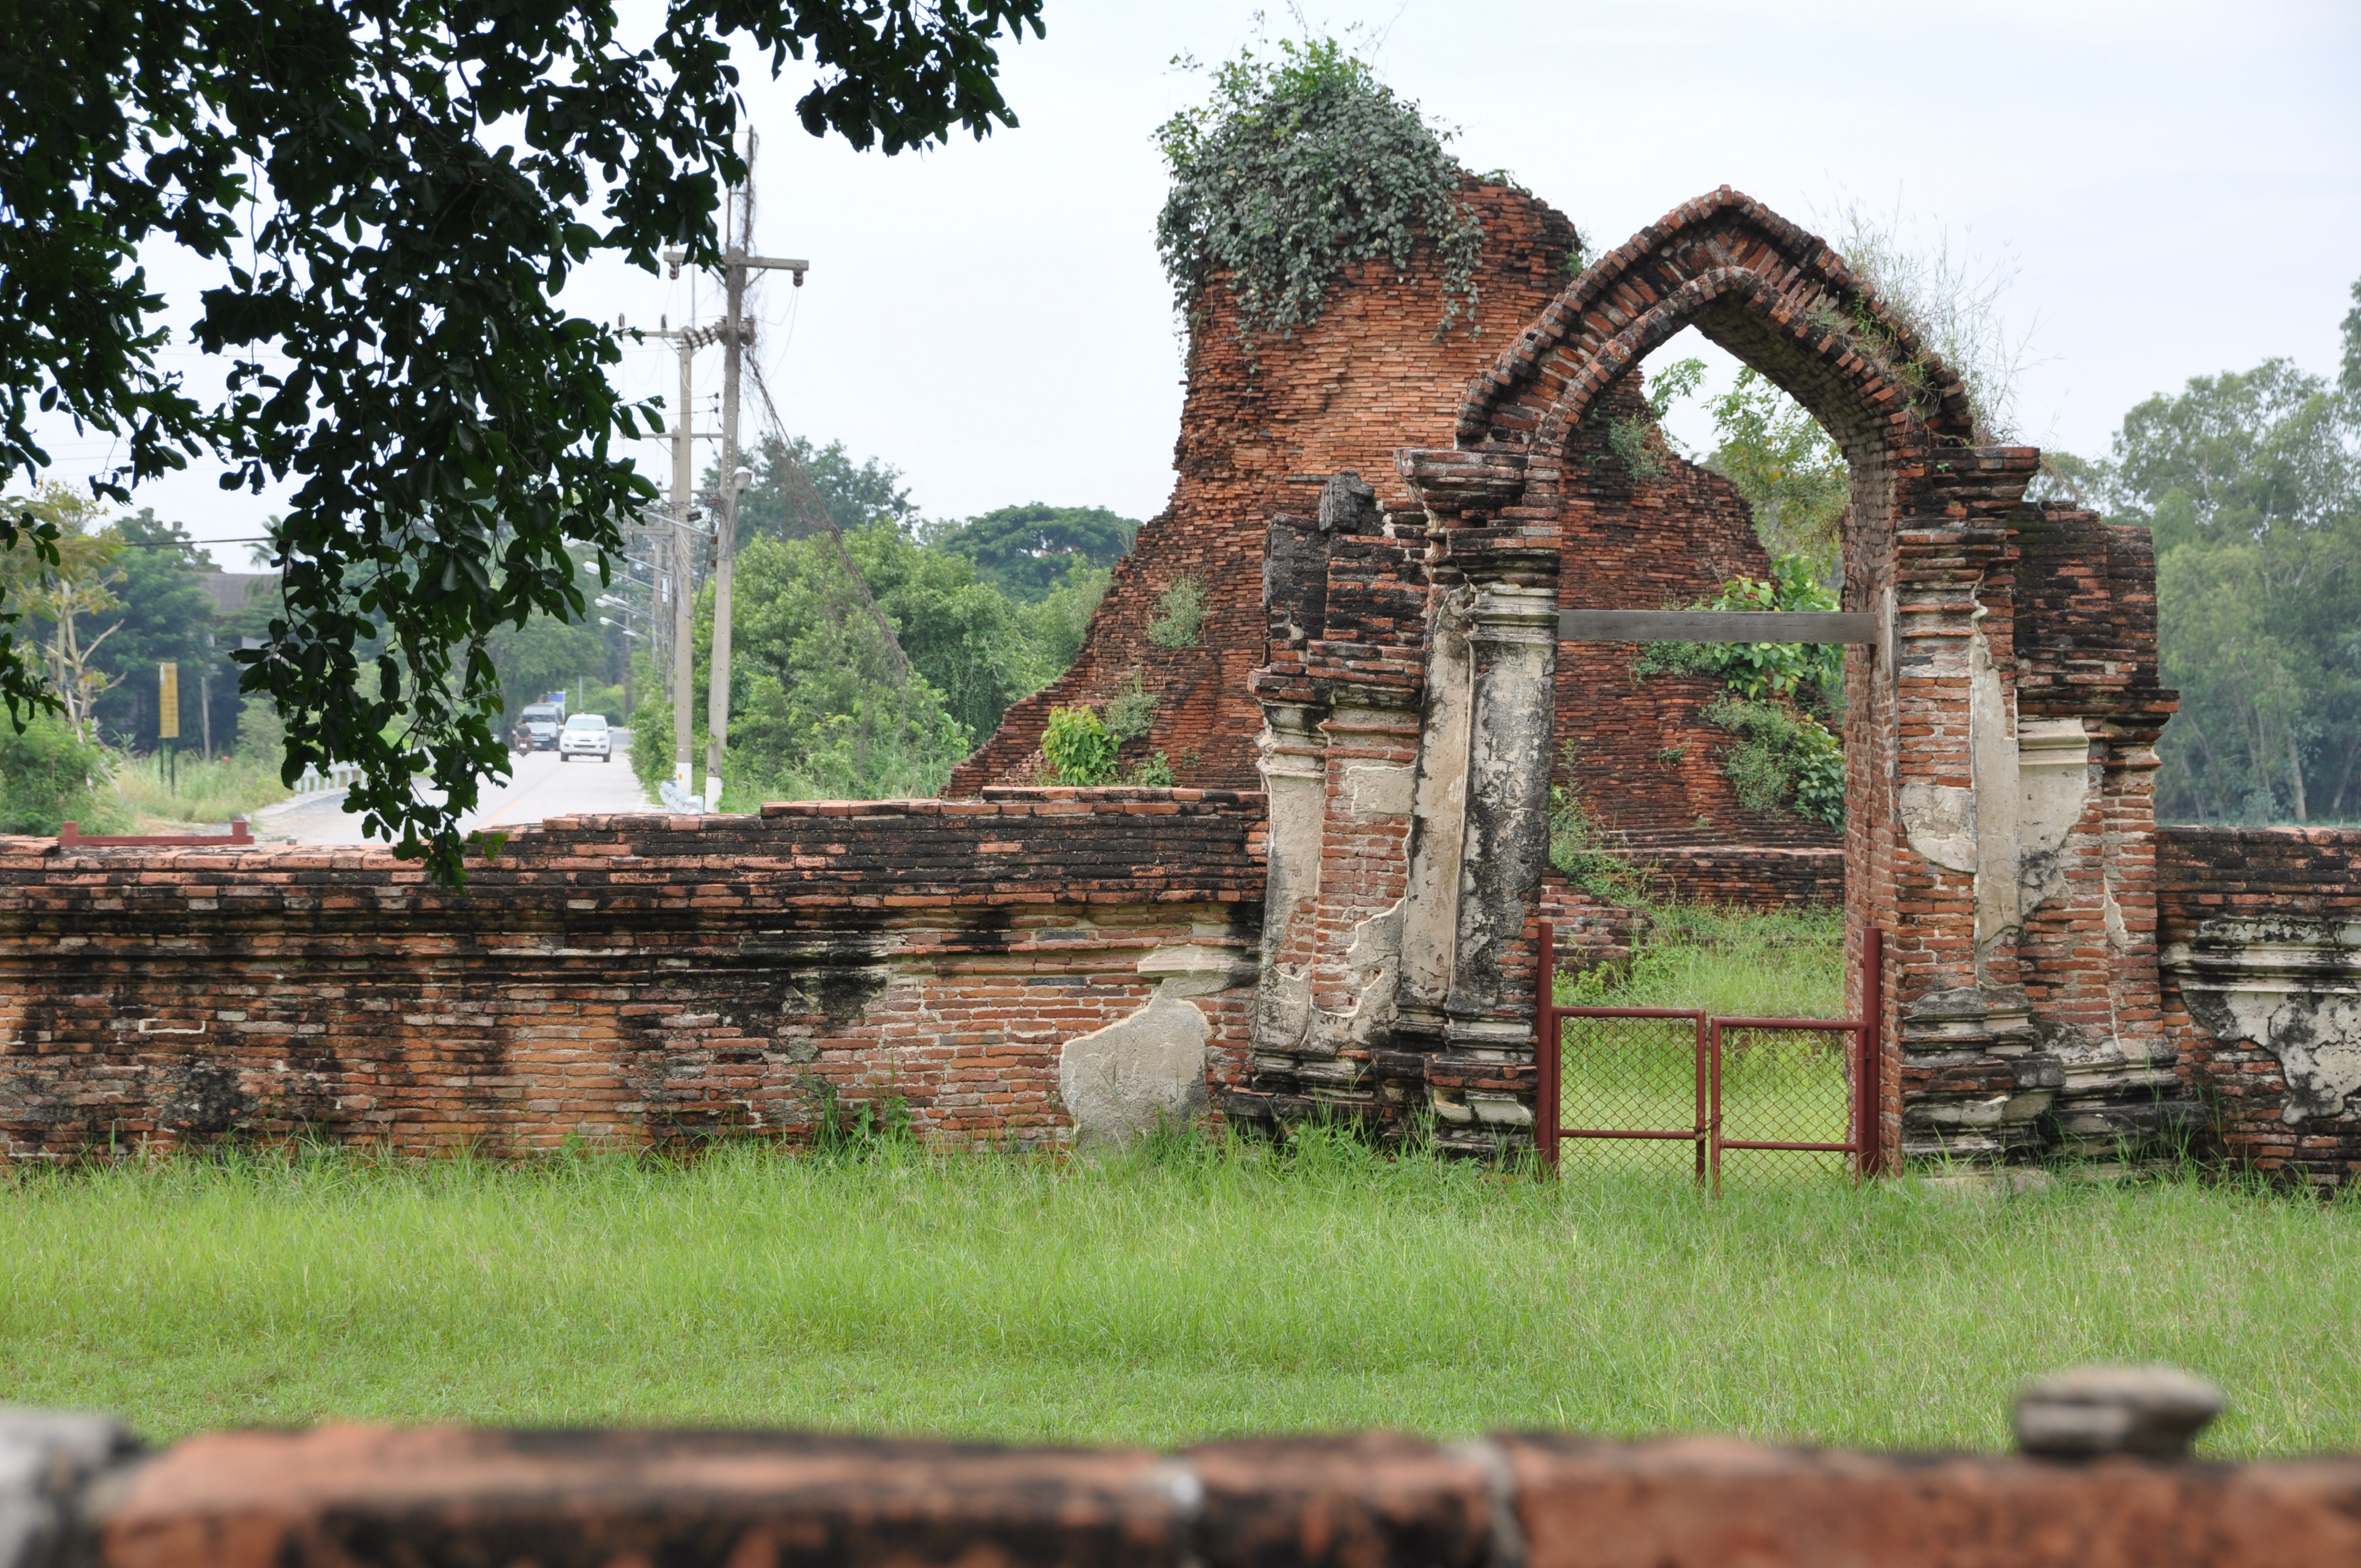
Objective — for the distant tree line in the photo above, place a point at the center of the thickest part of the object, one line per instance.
(833, 699)
(977, 614)
(2251, 484)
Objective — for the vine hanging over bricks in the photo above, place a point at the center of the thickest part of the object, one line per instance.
(1298, 168)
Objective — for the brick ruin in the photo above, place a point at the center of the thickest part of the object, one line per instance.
(1356, 936)
(641, 981)
(81, 1494)
(1338, 396)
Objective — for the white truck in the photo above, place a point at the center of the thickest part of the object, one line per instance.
(538, 724)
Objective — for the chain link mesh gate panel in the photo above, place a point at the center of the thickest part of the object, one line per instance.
(1631, 1082)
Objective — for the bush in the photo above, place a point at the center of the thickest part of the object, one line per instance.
(1080, 747)
(261, 734)
(1130, 714)
(1180, 614)
(1574, 844)
(1304, 165)
(1785, 763)
(652, 743)
(50, 775)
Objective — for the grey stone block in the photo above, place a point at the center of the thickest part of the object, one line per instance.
(46, 1459)
(2091, 1410)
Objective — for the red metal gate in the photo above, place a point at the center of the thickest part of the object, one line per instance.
(1656, 1074)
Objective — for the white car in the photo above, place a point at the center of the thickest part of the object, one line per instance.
(585, 735)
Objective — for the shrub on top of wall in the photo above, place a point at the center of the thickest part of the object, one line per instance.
(1080, 747)
(1303, 164)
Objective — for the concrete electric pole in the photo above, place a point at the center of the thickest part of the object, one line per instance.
(681, 546)
(738, 262)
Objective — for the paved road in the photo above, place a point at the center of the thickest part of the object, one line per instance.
(542, 786)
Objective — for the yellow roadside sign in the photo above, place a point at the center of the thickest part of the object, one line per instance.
(168, 702)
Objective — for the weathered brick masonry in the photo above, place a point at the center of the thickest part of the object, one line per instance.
(2261, 937)
(346, 1497)
(1342, 394)
(628, 981)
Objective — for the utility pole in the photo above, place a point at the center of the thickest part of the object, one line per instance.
(681, 544)
(737, 262)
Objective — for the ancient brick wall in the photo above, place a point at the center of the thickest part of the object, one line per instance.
(634, 980)
(1342, 394)
(2261, 947)
(346, 1496)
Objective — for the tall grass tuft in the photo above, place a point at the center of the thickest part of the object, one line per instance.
(201, 791)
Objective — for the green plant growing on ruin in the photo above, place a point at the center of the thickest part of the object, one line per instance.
(1783, 761)
(1300, 165)
(1154, 773)
(1080, 747)
(1180, 614)
(1629, 438)
(1578, 846)
(1130, 712)
(1786, 759)
(1948, 301)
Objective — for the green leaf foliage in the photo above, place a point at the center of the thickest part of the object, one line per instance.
(392, 265)
(165, 616)
(852, 494)
(1180, 614)
(1300, 165)
(1784, 763)
(1080, 747)
(1811, 672)
(49, 775)
(1027, 552)
(2251, 484)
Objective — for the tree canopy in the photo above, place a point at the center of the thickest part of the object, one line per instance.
(396, 193)
(1027, 552)
(852, 494)
(2251, 483)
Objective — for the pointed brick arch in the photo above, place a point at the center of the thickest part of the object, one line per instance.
(1773, 294)
(1962, 822)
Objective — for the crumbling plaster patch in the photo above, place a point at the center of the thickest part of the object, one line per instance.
(1372, 963)
(2055, 779)
(1148, 1069)
(2293, 988)
(1940, 820)
(1992, 751)
(1380, 789)
(1439, 814)
(2007, 830)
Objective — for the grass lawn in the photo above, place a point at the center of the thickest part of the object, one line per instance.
(1186, 1292)
(1158, 1299)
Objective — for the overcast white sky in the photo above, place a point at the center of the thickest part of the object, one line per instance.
(2178, 185)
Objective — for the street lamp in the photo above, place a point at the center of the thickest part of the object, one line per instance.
(626, 630)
